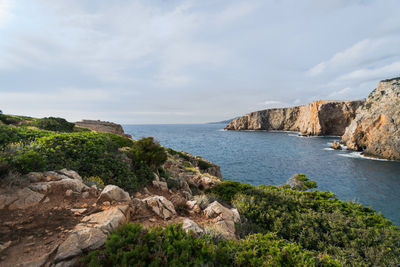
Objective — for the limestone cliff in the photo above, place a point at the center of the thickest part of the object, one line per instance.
(316, 118)
(376, 127)
(102, 126)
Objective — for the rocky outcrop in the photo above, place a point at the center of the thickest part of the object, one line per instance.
(223, 218)
(113, 193)
(316, 118)
(376, 127)
(160, 206)
(102, 126)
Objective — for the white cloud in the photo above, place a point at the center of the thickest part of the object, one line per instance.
(387, 71)
(5, 11)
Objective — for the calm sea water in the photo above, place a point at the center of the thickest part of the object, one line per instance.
(273, 157)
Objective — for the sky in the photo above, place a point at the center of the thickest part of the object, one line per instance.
(170, 61)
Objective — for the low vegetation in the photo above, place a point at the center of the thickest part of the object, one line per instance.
(112, 158)
(132, 245)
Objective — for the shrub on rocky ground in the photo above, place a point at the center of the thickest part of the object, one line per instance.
(350, 232)
(132, 245)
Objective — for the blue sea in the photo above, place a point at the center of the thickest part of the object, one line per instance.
(273, 157)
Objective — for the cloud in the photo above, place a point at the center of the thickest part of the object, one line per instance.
(387, 71)
(5, 11)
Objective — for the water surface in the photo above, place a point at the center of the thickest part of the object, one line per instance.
(273, 157)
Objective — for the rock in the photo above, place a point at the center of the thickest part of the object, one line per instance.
(160, 206)
(61, 185)
(107, 203)
(223, 217)
(161, 185)
(5, 246)
(85, 194)
(376, 127)
(146, 191)
(92, 232)
(71, 174)
(20, 199)
(316, 118)
(189, 225)
(191, 204)
(336, 145)
(35, 177)
(68, 193)
(113, 193)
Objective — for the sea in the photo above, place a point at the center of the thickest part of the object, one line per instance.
(261, 157)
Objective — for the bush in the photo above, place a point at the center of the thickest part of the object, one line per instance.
(54, 124)
(12, 134)
(132, 245)
(204, 165)
(227, 190)
(94, 180)
(317, 221)
(149, 152)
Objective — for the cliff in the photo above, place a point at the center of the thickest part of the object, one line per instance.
(376, 127)
(102, 126)
(316, 118)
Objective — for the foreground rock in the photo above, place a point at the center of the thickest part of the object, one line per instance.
(113, 193)
(224, 218)
(376, 127)
(316, 118)
(160, 206)
(91, 233)
(336, 145)
(103, 127)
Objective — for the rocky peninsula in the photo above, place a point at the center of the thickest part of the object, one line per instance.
(316, 118)
(102, 126)
(376, 127)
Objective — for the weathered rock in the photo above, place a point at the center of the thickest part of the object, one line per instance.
(71, 174)
(316, 118)
(20, 199)
(224, 218)
(191, 204)
(161, 185)
(68, 193)
(113, 193)
(4, 246)
(60, 185)
(35, 177)
(92, 232)
(376, 127)
(160, 206)
(189, 225)
(336, 145)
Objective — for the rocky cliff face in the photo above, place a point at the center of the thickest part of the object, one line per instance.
(376, 127)
(316, 118)
(102, 126)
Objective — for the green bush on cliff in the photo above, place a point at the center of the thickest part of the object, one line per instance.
(132, 245)
(54, 124)
(116, 159)
(350, 232)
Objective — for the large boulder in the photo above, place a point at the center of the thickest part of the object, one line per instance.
(113, 193)
(91, 233)
(189, 225)
(223, 218)
(20, 199)
(376, 127)
(160, 206)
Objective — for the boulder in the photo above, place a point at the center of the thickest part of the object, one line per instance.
(20, 199)
(161, 185)
(223, 218)
(71, 174)
(189, 225)
(336, 145)
(160, 206)
(91, 233)
(113, 193)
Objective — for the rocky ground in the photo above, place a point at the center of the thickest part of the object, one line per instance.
(52, 218)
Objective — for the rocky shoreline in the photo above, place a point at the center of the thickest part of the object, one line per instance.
(371, 126)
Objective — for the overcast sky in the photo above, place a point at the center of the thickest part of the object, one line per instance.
(167, 61)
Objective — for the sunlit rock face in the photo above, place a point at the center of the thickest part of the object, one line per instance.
(376, 127)
(317, 118)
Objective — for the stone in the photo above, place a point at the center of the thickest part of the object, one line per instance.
(20, 199)
(70, 173)
(375, 130)
(106, 203)
(68, 193)
(5, 246)
(191, 204)
(223, 218)
(113, 193)
(160, 206)
(92, 232)
(60, 185)
(336, 145)
(85, 194)
(35, 177)
(316, 118)
(161, 185)
(189, 225)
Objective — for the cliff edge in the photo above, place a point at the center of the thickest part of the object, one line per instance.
(376, 127)
(316, 118)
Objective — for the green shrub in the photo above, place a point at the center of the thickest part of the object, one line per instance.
(54, 124)
(204, 165)
(27, 161)
(228, 189)
(149, 152)
(350, 232)
(178, 153)
(12, 134)
(132, 245)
